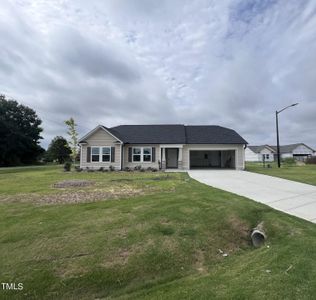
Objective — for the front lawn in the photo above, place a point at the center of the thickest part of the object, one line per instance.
(304, 173)
(165, 240)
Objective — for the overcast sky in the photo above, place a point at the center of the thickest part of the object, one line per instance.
(229, 63)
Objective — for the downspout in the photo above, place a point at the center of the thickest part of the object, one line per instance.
(122, 156)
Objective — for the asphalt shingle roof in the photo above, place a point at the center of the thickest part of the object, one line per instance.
(257, 149)
(212, 135)
(289, 148)
(283, 148)
(176, 134)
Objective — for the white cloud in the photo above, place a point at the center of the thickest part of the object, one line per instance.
(231, 63)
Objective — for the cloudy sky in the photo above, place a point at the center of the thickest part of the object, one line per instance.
(230, 63)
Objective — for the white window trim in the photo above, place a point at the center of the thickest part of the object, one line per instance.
(142, 155)
(101, 154)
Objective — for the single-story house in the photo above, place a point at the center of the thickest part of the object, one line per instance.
(298, 151)
(162, 147)
(268, 153)
(260, 153)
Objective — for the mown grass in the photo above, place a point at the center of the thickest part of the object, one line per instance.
(301, 173)
(164, 245)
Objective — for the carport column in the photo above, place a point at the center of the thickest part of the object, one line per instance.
(180, 159)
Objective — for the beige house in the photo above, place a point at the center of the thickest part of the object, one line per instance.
(162, 147)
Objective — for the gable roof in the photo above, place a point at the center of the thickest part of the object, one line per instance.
(176, 134)
(150, 134)
(290, 148)
(258, 149)
(107, 130)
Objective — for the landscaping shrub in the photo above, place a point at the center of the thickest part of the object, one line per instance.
(137, 168)
(67, 166)
(111, 168)
(78, 169)
(151, 169)
(142, 170)
(311, 160)
(127, 169)
(101, 169)
(289, 161)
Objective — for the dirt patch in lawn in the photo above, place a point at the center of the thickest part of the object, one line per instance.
(239, 226)
(90, 196)
(240, 236)
(73, 183)
(80, 196)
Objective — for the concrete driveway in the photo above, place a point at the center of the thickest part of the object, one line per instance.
(292, 197)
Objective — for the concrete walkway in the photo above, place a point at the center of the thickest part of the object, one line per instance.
(292, 197)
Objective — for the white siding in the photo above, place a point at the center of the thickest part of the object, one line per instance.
(101, 138)
(266, 151)
(239, 153)
(302, 149)
(250, 155)
(286, 155)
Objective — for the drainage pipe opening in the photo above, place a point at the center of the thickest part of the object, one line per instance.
(258, 236)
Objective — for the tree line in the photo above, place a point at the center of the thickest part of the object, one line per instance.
(20, 136)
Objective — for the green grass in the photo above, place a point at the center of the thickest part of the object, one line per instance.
(304, 173)
(160, 245)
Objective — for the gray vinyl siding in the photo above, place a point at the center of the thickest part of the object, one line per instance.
(101, 138)
(145, 165)
(239, 153)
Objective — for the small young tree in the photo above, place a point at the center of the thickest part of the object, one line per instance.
(73, 141)
(58, 150)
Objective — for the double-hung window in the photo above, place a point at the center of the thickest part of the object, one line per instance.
(106, 154)
(137, 153)
(95, 154)
(142, 154)
(100, 154)
(146, 154)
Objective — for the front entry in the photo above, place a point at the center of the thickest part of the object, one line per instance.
(172, 158)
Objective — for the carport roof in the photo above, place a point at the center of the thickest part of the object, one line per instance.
(176, 134)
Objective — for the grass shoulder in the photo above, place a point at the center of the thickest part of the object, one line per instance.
(300, 173)
(166, 243)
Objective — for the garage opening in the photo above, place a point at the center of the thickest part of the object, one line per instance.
(205, 159)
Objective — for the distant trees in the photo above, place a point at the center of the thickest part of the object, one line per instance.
(58, 150)
(19, 133)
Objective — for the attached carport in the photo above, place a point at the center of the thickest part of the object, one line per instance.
(212, 159)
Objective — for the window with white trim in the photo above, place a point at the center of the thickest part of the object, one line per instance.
(100, 154)
(95, 154)
(142, 154)
(106, 154)
(137, 153)
(147, 154)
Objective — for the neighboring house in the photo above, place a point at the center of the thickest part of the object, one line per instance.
(259, 153)
(298, 151)
(268, 153)
(162, 147)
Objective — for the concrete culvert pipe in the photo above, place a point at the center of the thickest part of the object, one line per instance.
(258, 236)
